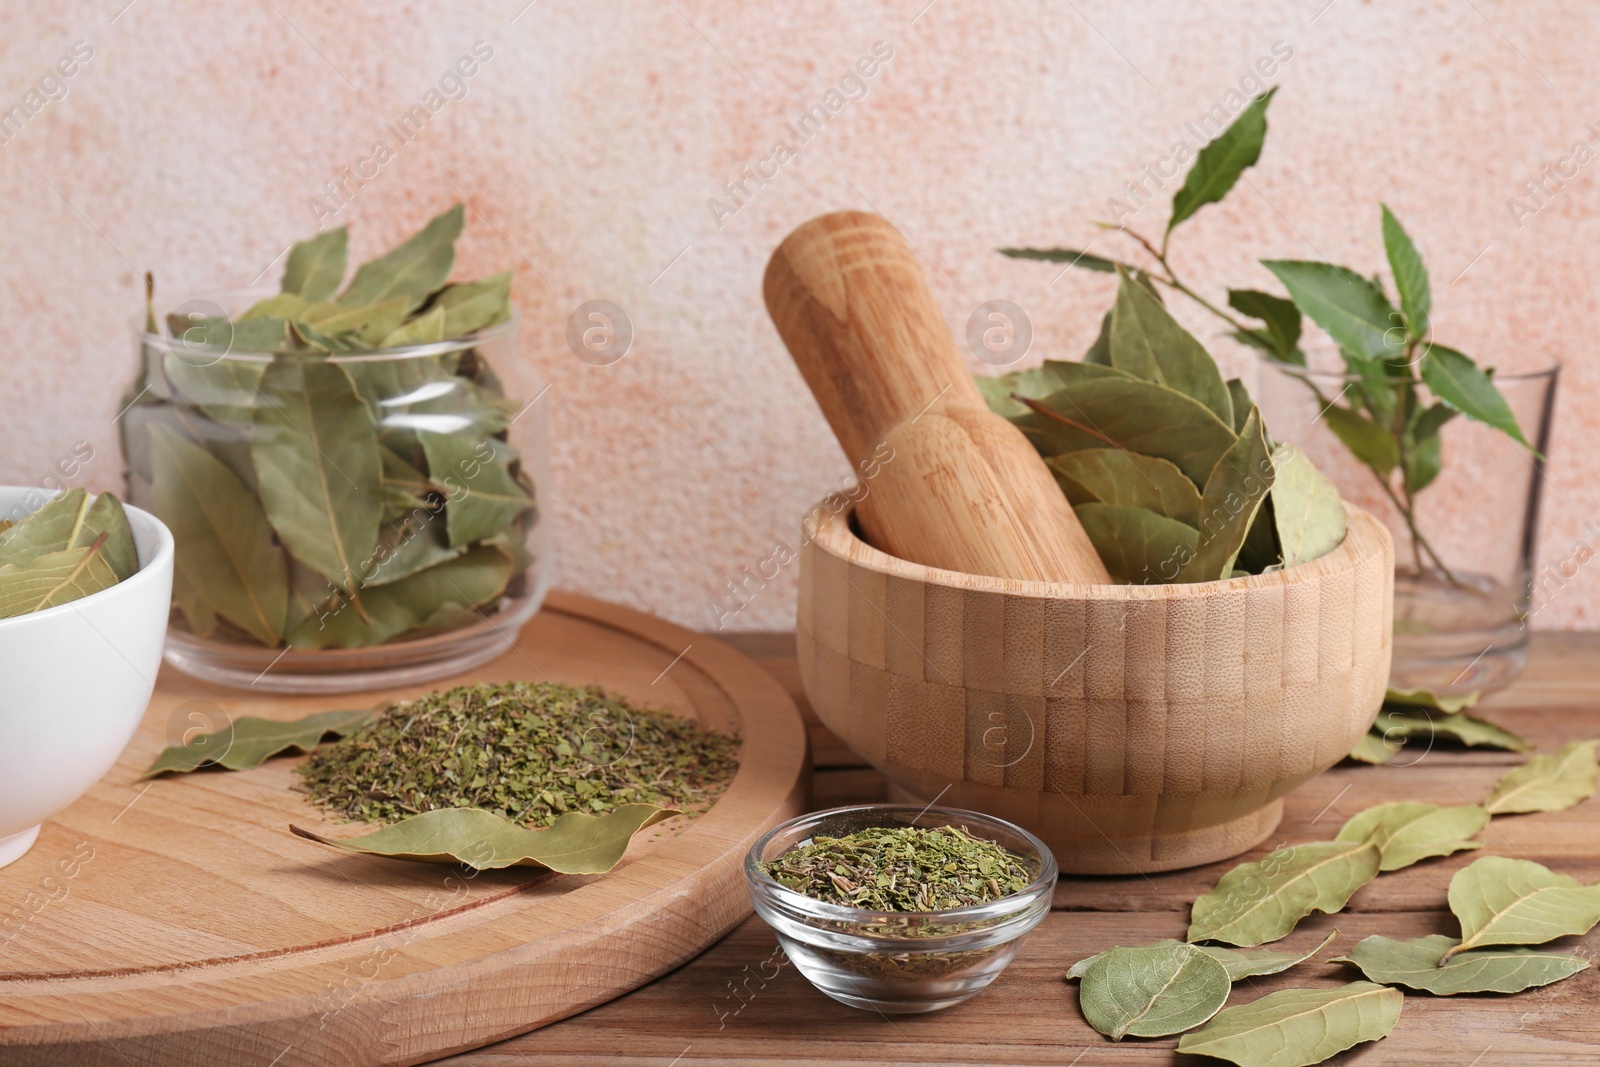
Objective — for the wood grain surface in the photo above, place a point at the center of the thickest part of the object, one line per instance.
(1134, 728)
(741, 1002)
(943, 480)
(177, 922)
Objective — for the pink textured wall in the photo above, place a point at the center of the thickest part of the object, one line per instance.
(194, 138)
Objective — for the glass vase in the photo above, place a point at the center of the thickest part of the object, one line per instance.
(344, 520)
(1464, 557)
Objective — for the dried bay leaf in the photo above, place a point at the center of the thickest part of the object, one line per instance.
(70, 520)
(413, 544)
(1247, 963)
(1551, 782)
(475, 305)
(1139, 416)
(1407, 832)
(413, 268)
(1262, 901)
(1306, 510)
(444, 594)
(367, 324)
(1234, 492)
(282, 306)
(1502, 901)
(1298, 1027)
(250, 741)
(481, 496)
(1415, 964)
(223, 389)
(576, 843)
(1238, 962)
(312, 338)
(1427, 698)
(316, 266)
(1460, 727)
(1137, 545)
(54, 578)
(48, 528)
(1113, 476)
(201, 619)
(427, 328)
(1152, 990)
(225, 548)
(316, 458)
(1374, 749)
(1241, 403)
(1148, 343)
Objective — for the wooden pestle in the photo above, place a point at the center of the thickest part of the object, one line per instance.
(963, 489)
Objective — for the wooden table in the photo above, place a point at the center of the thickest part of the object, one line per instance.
(741, 1002)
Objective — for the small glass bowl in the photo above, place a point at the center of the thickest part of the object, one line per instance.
(899, 962)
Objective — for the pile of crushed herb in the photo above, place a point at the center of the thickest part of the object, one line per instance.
(906, 868)
(528, 751)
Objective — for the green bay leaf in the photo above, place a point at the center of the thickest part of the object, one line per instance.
(1152, 990)
(1460, 383)
(316, 458)
(1366, 440)
(1262, 901)
(1218, 165)
(1410, 276)
(1501, 901)
(1415, 964)
(1070, 256)
(1407, 832)
(576, 843)
(1552, 782)
(1349, 307)
(1281, 319)
(1298, 1027)
(225, 548)
(250, 741)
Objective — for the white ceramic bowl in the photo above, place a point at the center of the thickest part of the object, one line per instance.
(74, 683)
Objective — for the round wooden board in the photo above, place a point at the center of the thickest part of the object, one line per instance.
(178, 922)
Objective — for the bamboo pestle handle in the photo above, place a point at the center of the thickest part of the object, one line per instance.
(962, 489)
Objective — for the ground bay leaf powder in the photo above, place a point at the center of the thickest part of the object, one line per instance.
(530, 751)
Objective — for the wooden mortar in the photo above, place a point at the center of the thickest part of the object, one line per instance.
(948, 483)
(1133, 728)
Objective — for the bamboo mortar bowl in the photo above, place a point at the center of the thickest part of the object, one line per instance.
(1132, 728)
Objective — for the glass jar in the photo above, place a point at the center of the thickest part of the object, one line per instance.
(344, 520)
(1464, 556)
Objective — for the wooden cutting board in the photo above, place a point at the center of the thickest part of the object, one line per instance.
(178, 922)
